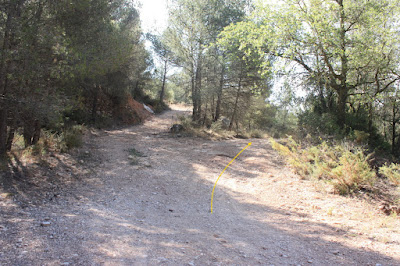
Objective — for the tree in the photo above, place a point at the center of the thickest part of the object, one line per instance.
(343, 44)
(194, 27)
(165, 55)
(54, 52)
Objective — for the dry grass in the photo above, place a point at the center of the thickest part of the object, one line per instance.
(346, 168)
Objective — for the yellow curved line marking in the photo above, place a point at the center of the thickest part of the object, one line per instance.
(212, 193)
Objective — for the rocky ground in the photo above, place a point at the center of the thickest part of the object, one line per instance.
(141, 196)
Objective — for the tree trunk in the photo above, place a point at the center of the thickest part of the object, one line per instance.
(370, 118)
(3, 131)
(198, 89)
(13, 12)
(343, 89)
(205, 115)
(341, 111)
(394, 120)
(28, 132)
(94, 103)
(196, 84)
(219, 95)
(10, 137)
(37, 128)
(162, 92)
(194, 101)
(235, 107)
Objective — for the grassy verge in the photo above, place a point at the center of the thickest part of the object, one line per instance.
(346, 166)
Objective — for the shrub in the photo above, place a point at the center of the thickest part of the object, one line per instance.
(360, 136)
(72, 138)
(258, 134)
(391, 172)
(352, 173)
(346, 167)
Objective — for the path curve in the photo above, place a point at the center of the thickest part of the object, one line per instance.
(155, 210)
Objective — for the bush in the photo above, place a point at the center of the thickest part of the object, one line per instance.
(346, 167)
(361, 137)
(391, 172)
(318, 124)
(352, 173)
(72, 138)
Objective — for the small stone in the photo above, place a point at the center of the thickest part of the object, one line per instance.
(378, 264)
(336, 252)
(19, 240)
(310, 261)
(87, 152)
(45, 223)
(191, 263)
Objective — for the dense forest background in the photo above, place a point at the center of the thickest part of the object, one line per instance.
(320, 68)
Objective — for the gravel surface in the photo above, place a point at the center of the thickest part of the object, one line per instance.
(143, 198)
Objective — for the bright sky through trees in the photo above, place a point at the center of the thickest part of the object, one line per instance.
(153, 14)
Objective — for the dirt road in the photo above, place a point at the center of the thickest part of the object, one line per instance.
(155, 210)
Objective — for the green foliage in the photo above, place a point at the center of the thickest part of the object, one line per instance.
(346, 168)
(361, 137)
(346, 52)
(391, 172)
(60, 67)
(317, 124)
(72, 138)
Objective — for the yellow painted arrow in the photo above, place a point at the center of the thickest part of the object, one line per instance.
(212, 193)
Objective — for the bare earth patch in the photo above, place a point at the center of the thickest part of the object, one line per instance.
(140, 196)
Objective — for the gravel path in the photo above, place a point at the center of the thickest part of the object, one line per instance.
(154, 209)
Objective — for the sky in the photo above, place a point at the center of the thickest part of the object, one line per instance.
(153, 14)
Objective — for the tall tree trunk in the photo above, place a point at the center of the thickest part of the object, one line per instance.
(10, 137)
(162, 92)
(341, 111)
(370, 118)
(394, 121)
(322, 99)
(13, 12)
(3, 80)
(219, 95)
(194, 96)
(3, 131)
(37, 129)
(236, 106)
(205, 114)
(343, 90)
(198, 87)
(94, 103)
(212, 108)
(197, 91)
